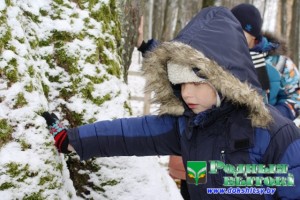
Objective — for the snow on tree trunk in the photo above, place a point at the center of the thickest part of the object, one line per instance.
(62, 57)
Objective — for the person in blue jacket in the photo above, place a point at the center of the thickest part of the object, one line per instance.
(277, 73)
(211, 109)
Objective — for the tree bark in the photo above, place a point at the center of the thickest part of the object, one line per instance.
(131, 10)
(170, 16)
(158, 19)
(294, 43)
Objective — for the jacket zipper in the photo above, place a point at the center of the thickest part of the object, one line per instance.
(222, 156)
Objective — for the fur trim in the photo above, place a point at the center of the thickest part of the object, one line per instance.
(156, 73)
(282, 49)
(178, 74)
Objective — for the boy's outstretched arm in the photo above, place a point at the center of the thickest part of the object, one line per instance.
(142, 136)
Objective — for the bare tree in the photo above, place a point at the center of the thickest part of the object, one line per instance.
(169, 24)
(130, 16)
(158, 18)
(294, 43)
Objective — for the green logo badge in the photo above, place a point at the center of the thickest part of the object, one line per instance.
(196, 172)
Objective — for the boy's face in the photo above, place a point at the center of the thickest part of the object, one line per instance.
(198, 96)
(250, 39)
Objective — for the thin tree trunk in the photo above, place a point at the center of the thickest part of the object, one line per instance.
(158, 16)
(294, 43)
(170, 17)
(130, 19)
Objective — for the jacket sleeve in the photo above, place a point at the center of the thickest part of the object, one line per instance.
(284, 148)
(142, 136)
(149, 46)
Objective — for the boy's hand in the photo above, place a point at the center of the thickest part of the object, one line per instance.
(58, 131)
(140, 32)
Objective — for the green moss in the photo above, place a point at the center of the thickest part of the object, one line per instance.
(13, 169)
(34, 196)
(127, 107)
(43, 43)
(13, 62)
(17, 170)
(101, 15)
(31, 71)
(110, 182)
(34, 43)
(86, 20)
(5, 132)
(8, 3)
(11, 74)
(92, 120)
(87, 91)
(59, 167)
(26, 173)
(97, 80)
(80, 3)
(93, 59)
(113, 68)
(45, 89)
(100, 101)
(65, 93)
(7, 36)
(21, 40)
(12, 48)
(62, 36)
(43, 12)
(30, 87)
(77, 118)
(98, 71)
(54, 79)
(92, 3)
(60, 2)
(69, 63)
(74, 15)
(100, 188)
(70, 195)
(6, 185)
(46, 179)
(21, 101)
(49, 59)
(24, 145)
(31, 16)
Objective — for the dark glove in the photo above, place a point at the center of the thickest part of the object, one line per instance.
(58, 131)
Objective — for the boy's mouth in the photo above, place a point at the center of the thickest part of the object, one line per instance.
(191, 105)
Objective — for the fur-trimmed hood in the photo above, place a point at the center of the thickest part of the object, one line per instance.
(282, 48)
(213, 43)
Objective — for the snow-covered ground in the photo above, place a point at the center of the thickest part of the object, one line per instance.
(136, 85)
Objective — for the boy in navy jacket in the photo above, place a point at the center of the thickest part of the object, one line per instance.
(211, 110)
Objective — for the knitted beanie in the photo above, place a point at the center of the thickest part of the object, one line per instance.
(178, 74)
(250, 18)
